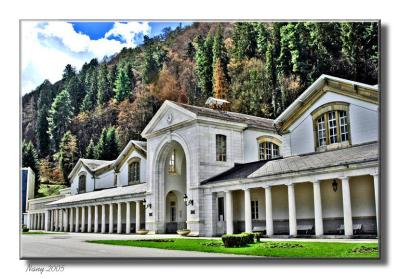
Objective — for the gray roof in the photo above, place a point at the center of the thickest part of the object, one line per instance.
(237, 172)
(362, 153)
(251, 121)
(95, 164)
(102, 194)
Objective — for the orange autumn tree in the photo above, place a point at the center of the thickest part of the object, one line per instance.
(220, 83)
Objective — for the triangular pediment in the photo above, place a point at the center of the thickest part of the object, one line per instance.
(168, 116)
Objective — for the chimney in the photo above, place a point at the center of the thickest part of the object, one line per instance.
(217, 104)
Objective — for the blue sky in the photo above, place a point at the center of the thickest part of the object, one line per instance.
(46, 47)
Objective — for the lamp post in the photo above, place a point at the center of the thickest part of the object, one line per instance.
(186, 200)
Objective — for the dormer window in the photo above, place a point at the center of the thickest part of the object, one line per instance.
(82, 184)
(331, 126)
(134, 171)
(172, 163)
(268, 147)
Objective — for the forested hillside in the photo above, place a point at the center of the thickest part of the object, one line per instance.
(259, 67)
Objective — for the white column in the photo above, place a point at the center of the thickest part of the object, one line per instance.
(229, 212)
(103, 218)
(319, 226)
(60, 219)
(137, 216)
(376, 190)
(83, 219)
(128, 217)
(51, 220)
(247, 210)
(292, 211)
(46, 220)
(71, 219)
(269, 222)
(39, 220)
(96, 218)
(76, 219)
(66, 219)
(56, 225)
(89, 219)
(110, 220)
(347, 216)
(119, 217)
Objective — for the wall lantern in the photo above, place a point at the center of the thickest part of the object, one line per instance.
(146, 205)
(334, 185)
(187, 202)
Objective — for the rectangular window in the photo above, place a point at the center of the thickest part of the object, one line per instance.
(321, 131)
(221, 211)
(221, 148)
(344, 133)
(172, 163)
(254, 210)
(332, 125)
(268, 150)
(134, 172)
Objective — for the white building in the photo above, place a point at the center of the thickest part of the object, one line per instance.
(314, 170)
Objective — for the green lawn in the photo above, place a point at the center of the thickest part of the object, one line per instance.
(295, 249)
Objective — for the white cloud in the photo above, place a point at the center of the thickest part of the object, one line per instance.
(47, 47)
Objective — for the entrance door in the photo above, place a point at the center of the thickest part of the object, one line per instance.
(221, 215)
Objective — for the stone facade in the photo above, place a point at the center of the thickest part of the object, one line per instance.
(185, 184)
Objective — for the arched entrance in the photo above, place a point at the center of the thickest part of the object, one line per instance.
(170, 187)
(175, 188)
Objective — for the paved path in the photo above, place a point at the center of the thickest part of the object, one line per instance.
(74, 245)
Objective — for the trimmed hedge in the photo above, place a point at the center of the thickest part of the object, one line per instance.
(239, 240)
(25, 228)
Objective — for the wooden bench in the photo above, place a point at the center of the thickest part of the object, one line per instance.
(305, 228)
(259, 229)
(356, 228)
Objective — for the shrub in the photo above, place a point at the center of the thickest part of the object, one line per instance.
(25, 228)
(257, 236)
(238, 240)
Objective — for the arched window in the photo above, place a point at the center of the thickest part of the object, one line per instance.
(220, 148)
(82, 184)
(172, 162)
(331, 125)
(268, 147)
(134, 171)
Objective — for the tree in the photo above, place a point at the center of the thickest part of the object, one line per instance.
(90, 150)
(204, 69)
(271, 78)
(76, 90)
(262, 39)
(30, 159)
(60, 115)
(122, 86)
(42, 124)
(150, 65)
(67, 155)
(244, 40)
(68, 72)
(90, 100)
(104, 90)
(107, 147)
(221, 86)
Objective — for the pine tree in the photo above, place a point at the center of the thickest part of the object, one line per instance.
(104, 92)
(271, 77)
(112, 144)
(122, 87)
(68, 72)
(76, 91)
(90, 100)
(67, 154)
(100, 148)
(262, 39)
(204, 69)
(60, 115)
(244, 40)
(150, 67)
(90, 150)
(42, 124)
